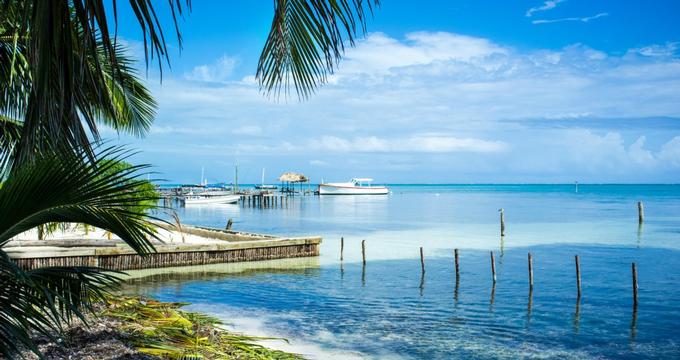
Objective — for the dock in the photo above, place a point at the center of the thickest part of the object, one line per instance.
(205, 246)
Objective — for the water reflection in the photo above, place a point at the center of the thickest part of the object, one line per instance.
(577, 315)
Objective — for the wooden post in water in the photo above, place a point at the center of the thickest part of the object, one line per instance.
(635, 286)
(578, 277)
(455, 255)
(502, 222)
(493, 268)
(342, 247)
(363, 252)
(641, 212)
(229, 224)
(531, 273)
(422, 261)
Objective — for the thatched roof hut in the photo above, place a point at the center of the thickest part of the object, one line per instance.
(292, 177)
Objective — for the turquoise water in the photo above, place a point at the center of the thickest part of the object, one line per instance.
(333, 309)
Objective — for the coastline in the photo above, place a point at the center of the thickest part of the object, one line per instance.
(141, 328)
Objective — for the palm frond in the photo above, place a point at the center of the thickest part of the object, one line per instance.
(306, 41)
(68, 47)
(10, 134)
(133, 108)
(72, 187)
(42, 300)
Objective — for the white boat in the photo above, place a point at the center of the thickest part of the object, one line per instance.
(263, 186)
(358, 186)
(190, 199)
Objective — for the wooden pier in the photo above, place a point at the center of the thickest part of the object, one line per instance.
(220, 246)
(264, 200)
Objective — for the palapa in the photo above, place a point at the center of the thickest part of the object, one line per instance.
(292, 177)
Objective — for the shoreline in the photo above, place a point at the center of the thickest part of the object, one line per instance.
(143, 328)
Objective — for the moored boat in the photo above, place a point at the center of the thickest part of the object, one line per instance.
(356, 186)
(190, 199)
(263, 186)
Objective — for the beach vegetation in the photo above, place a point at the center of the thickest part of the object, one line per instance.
(163, 329)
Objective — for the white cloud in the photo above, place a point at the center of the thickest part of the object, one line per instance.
(413, 144)
(584, 19)
(587, 150)
(379, 53)
(411, 102)
(547, 5)
(318, 163)
(219, 71)
(666, 50)
(252, 130)
(670, 153)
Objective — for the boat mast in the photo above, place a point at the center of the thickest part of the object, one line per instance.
(262, 176)
(236, 178)
(203, 176)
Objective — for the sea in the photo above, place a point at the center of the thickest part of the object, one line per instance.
(325, 308)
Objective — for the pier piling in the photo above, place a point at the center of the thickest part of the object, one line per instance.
(531, 272)
(342, 247)
(455, 255)
(493, 268)
(502, 222)
(229, 224)
(422, 261)
(635, 286)
(641, 212)
(578, 277)
(363, 252)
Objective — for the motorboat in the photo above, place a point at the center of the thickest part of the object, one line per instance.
(208, 198)
(356, 186)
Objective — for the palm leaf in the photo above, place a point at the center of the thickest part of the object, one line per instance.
(68, 47)
(10, 133)
(133, 108)
(42, 300)
(71, 187)
(65, 186)
(306, 41)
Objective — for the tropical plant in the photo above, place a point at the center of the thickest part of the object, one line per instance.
(163, 329)
(107, 92)
(71, 187)
(307, 40)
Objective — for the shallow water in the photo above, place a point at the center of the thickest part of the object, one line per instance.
(387, 310)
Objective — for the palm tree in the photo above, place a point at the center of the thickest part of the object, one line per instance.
(61, 73)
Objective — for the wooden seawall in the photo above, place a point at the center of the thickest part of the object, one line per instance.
(226, 247)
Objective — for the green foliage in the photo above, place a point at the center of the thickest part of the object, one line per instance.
(47, 51)
(145, 196)
(42, 300)
(162, 329)
(307, 40)
(65, 187)
(68, 187)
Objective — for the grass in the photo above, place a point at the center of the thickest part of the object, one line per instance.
(162, 329)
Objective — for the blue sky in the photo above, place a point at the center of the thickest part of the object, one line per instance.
(437, 92)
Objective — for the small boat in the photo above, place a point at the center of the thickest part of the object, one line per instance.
(204, 198)
(357, 186)
(263, 186)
